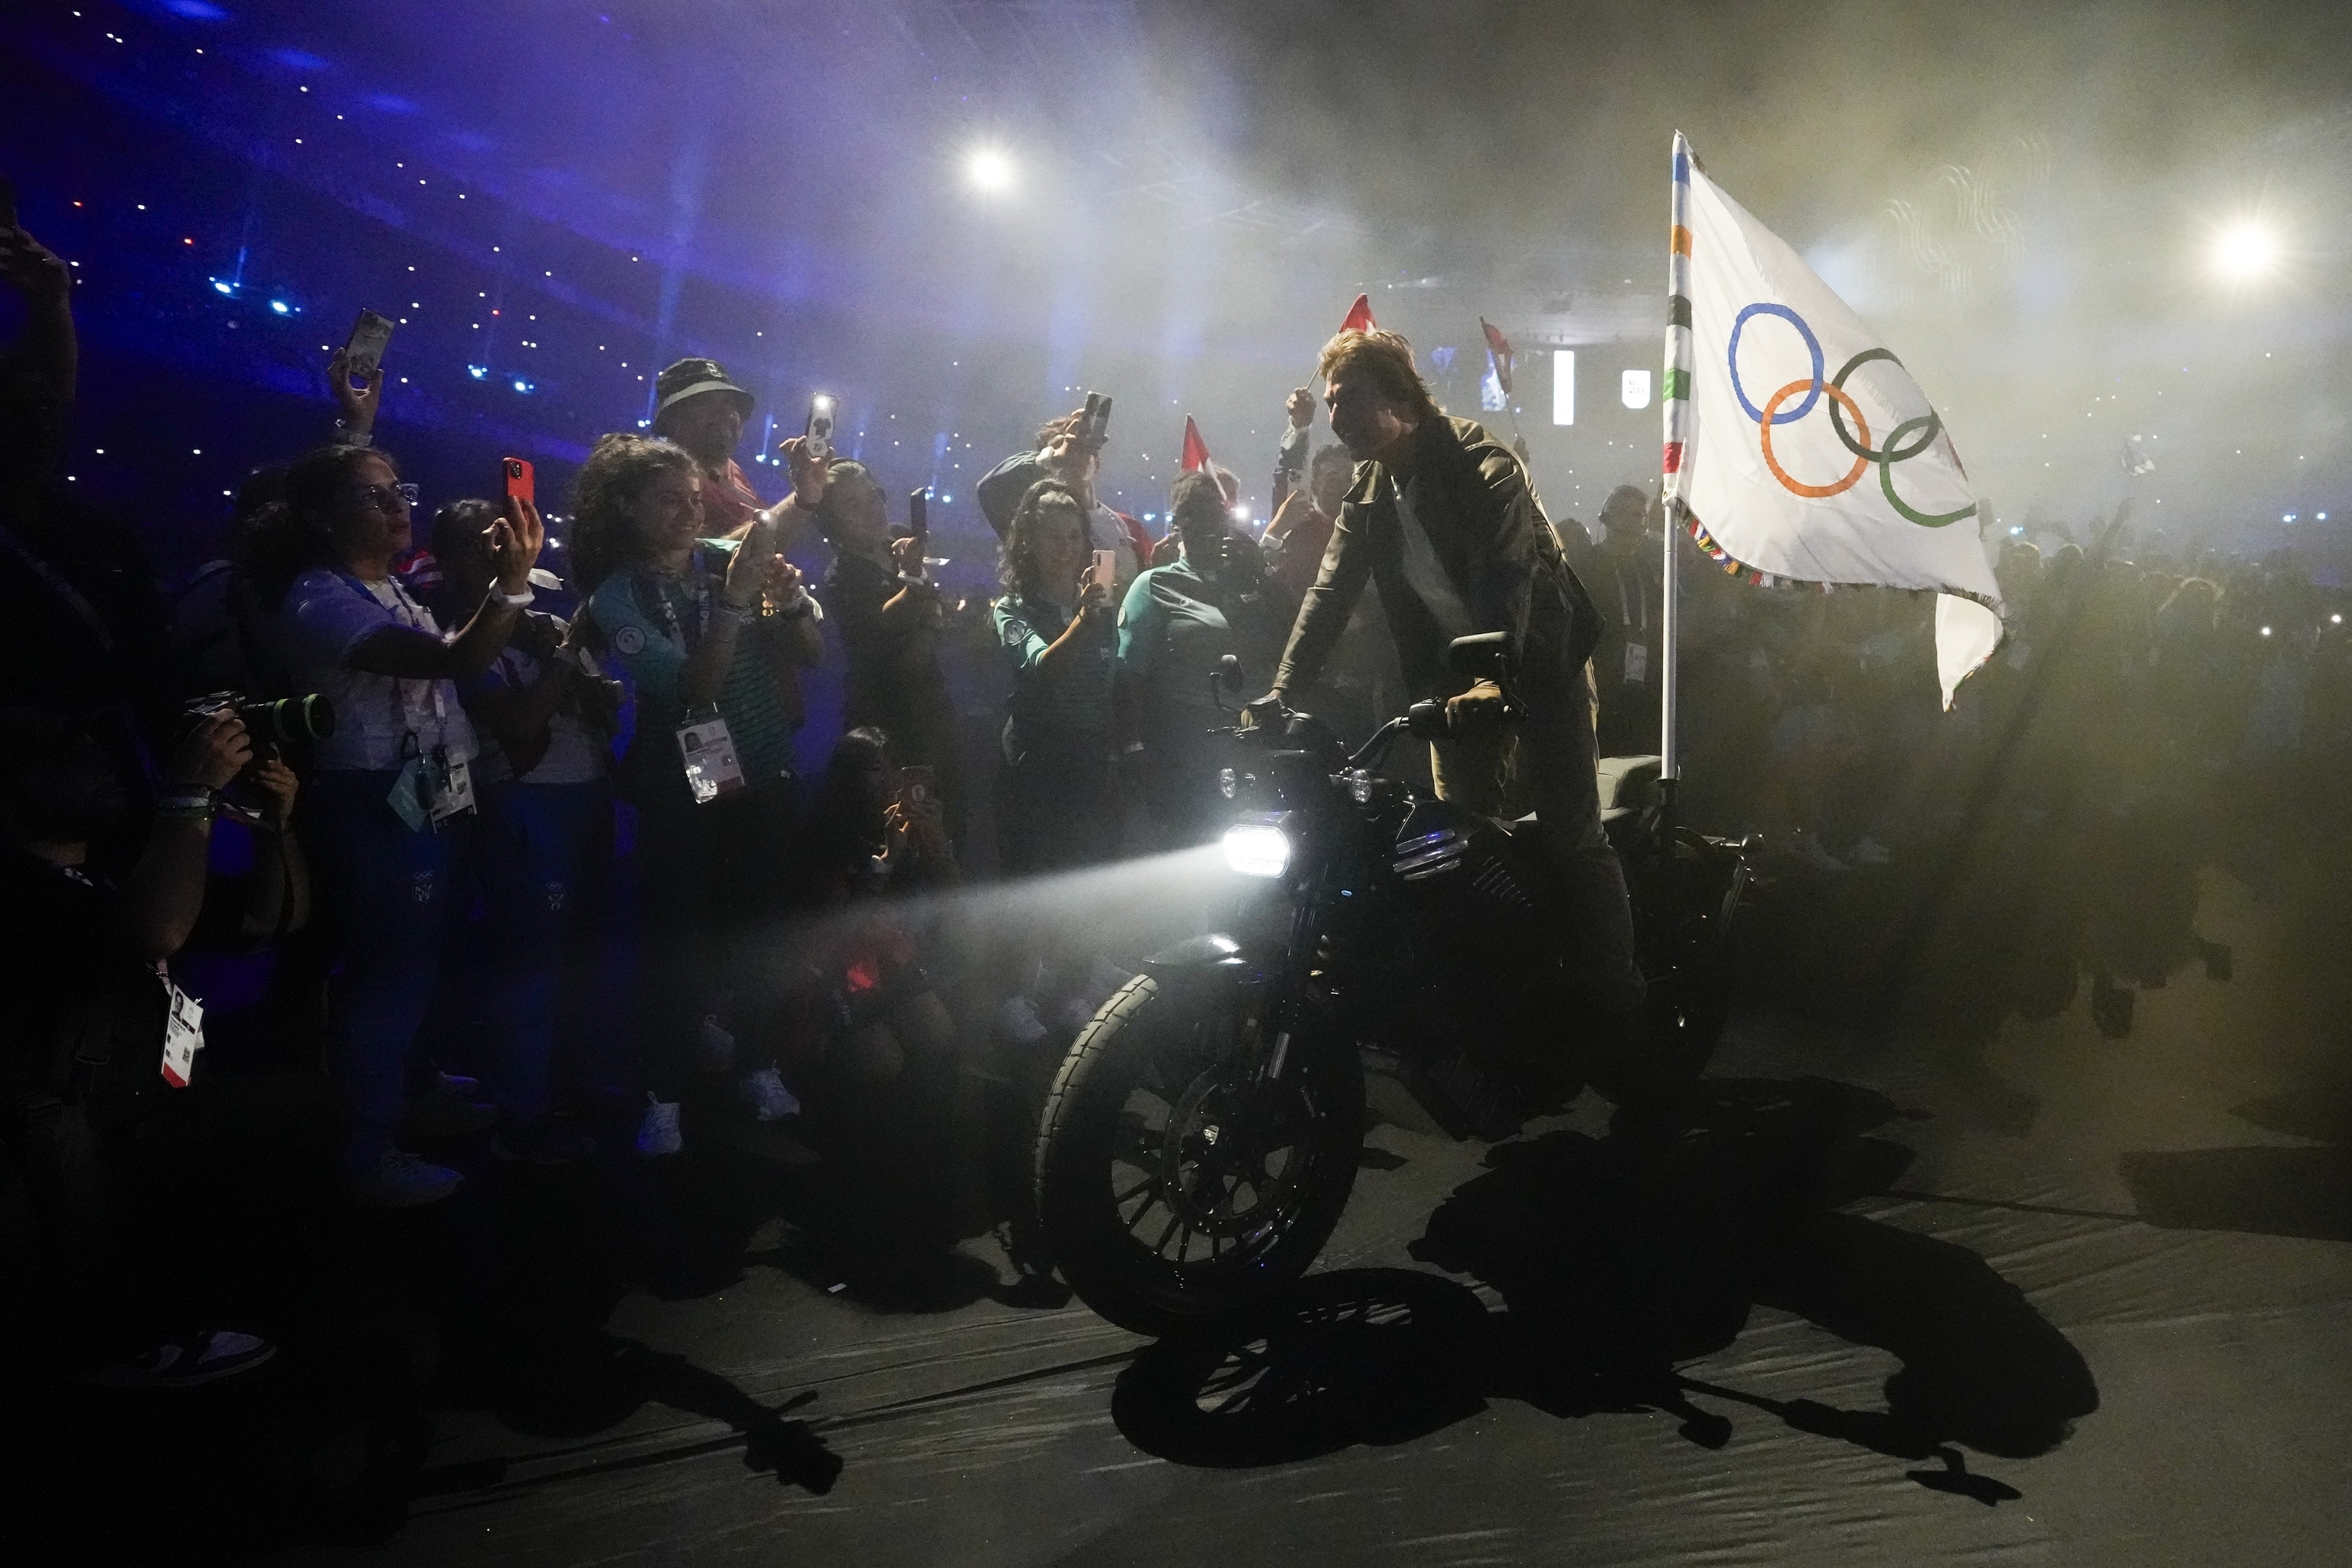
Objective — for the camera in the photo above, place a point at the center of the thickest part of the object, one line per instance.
(281, 721)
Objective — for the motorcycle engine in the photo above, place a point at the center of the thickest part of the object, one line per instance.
(1485, 930)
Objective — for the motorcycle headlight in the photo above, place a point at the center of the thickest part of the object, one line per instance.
(1227, 783)
(1257, 849)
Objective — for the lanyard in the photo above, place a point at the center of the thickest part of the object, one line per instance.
(408, 612)
(697, 589)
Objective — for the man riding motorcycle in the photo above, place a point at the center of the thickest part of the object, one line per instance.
(1442, 520)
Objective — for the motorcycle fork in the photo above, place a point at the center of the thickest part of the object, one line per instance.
(1278, 1020)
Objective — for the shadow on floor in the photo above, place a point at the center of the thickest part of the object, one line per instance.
(1615, 1262)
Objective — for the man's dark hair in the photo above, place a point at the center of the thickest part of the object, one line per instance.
(1196, 500)
(1333, 455)
(826, 517)
(1385, 359)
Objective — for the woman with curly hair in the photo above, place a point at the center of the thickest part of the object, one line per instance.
(1055, 808)
(708, 631)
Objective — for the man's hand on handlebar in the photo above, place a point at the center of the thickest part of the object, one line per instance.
(1481, 707)
(1266, 711)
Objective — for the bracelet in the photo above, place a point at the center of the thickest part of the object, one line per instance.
(800, 609)
(732, 614)
(194, 802)
(514, 601)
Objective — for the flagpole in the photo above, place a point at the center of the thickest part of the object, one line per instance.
(1676, 409)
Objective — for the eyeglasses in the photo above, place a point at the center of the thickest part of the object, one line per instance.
(385, 497)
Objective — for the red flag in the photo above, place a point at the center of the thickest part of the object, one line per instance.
(1359, 316)
(1196, 452)
(1500, 347)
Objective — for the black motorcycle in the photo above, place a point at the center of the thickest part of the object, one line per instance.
(1201, 1137)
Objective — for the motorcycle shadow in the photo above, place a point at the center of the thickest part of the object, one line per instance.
(1615, 1260)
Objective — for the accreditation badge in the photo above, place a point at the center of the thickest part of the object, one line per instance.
(711, 767)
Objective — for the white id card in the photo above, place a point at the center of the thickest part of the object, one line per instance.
(451, 786)
(184, 1032)
(711, 768)
(1637, 663)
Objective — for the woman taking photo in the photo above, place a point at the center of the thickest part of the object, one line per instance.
(393, 799)
(708, 631)
(1056, 809)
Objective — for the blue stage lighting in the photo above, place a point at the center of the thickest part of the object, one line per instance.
(281, 306)
(479, 372)
(221, 286)
(523, 385)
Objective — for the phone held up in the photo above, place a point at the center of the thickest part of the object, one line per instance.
(917, 784)
(522, 483)
(364, 350)
(1095, 424)
(817, 439)
(1105, 570)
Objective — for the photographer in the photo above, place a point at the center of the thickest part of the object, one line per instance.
(74, 584)
(1069, 454)
(393, 799)
(706, 630)
(547, 810)
(162, 1190)
(1177, 625)
(890, 618)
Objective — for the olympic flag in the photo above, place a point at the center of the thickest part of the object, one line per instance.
(1797, 448)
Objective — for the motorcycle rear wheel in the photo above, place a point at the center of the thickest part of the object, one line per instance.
(1176, 1189)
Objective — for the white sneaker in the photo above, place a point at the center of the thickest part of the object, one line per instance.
(714, 1047)
(657, 1130)
(765, 1093)
(1018, 1018)
(400, 1180)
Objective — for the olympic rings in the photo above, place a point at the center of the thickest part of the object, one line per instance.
(1862, 450)
(1837, 395)
(1813, 345)
(1887, 479)
(1927, 426)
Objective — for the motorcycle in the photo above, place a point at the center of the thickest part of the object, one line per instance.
(1203, 1134)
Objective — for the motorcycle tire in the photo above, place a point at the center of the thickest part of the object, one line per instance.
(1153, 1043)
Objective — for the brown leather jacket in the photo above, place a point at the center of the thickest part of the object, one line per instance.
(1492, 538)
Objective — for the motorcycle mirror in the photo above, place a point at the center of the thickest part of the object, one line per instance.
(1481, 656)
(1230, 673)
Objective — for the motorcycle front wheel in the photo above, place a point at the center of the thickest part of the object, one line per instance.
(1179, 1185)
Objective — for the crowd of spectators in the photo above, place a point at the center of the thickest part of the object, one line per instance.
(509, 798)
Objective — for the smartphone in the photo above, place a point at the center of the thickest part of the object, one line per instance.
(817, 439)
(919, 514)
(363, 351)
(1106, 569)
(521, 482)
(1098, 425)
(917, 784)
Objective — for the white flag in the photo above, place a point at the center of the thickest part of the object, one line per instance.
(1797, 445)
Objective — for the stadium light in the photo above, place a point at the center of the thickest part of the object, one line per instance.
(2245, 250)
(988, 169)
